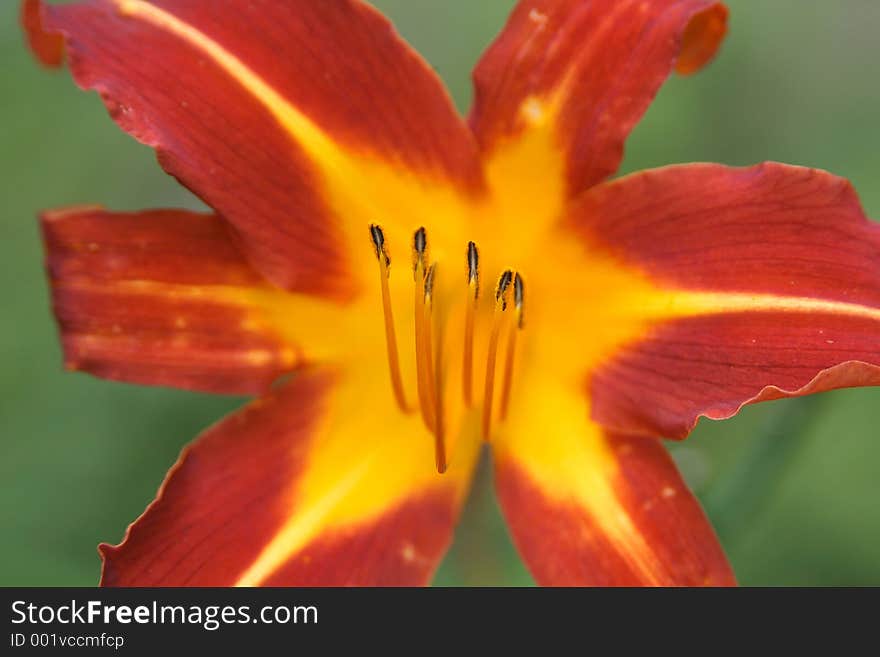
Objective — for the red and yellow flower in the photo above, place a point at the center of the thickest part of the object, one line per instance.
(398, 285)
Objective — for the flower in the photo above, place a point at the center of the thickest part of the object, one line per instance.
(399, 286)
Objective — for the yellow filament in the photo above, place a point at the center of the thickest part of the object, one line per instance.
(439, 427)
(508, 369)
(489, 390)
(422, 381)
(428, 361)
(391, 338)
(467, 374)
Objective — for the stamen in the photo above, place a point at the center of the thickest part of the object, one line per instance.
(518, 299)
(428, 360)
(433, 372)
(501, 297)
(423, 354)
(473, 261)
(378, 238)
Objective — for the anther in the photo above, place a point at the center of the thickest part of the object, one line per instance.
(420, 251)
(429, 284)
(501, 298)
(501, 290)
(518, 301)
(379, 243)
(473, 294)
(473, 262)
(378, 238)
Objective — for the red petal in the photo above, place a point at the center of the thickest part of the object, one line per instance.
(770, 228)
(300, 122)
(593, 67)
(162, 297)
(49, 48)
(774, 272)
(299, 488)
(713, 366)
(587, 508)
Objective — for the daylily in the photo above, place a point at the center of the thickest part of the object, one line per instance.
(400, 285)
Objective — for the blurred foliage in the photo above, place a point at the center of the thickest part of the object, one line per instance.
(81, 458)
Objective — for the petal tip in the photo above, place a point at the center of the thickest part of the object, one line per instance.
(47, 46)
(106, 552)
(702, 38)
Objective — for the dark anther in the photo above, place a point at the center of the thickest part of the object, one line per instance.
(503, 284)
(429, 282)
(518, 297)
(473, 261)
(379, 243)
(420, 247)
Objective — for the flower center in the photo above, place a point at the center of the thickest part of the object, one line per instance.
(429, 338)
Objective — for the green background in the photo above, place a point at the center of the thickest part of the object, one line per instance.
(791, 486)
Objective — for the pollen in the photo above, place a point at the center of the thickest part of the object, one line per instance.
(257, 357)
(538, 18)
(533, 111)
(408, 552)
(127, 7)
